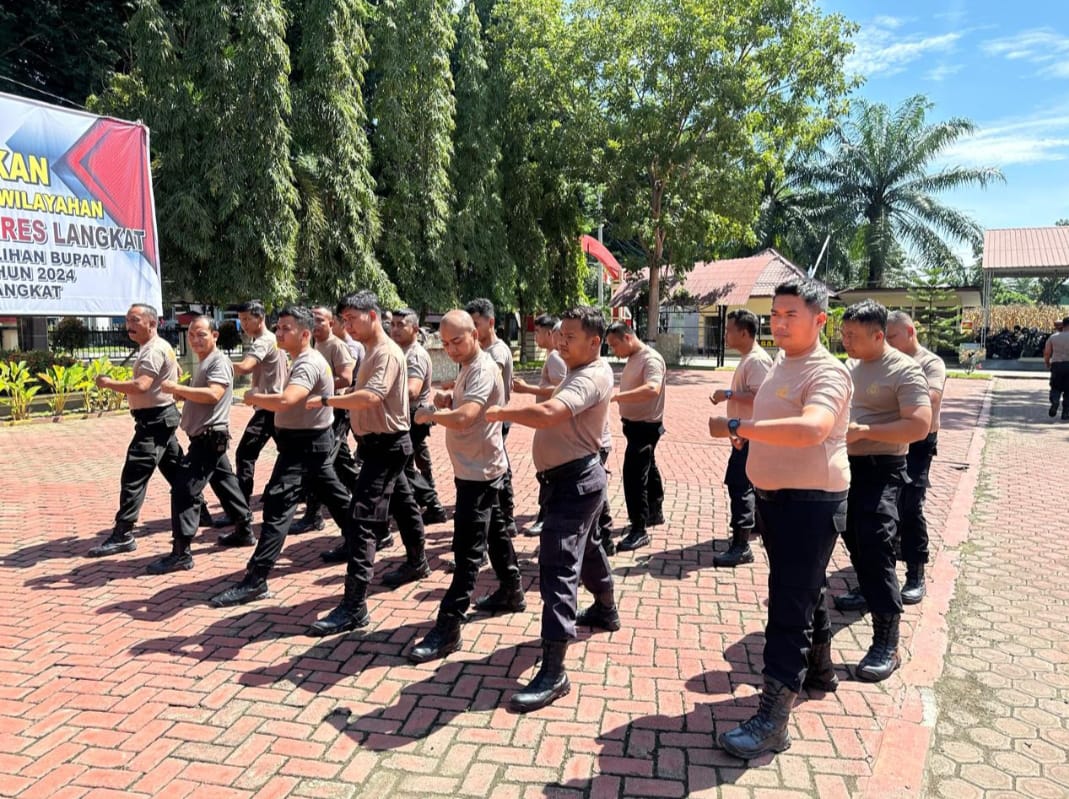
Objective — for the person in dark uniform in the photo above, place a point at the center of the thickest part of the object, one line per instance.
(267, 366)
(404, 329)
(641, 401)
(478, 457)
(891, 408)
(342, 366)
(912, 526)
(378, 411)
(740, 334)
(1056, 359)
(482, 311)
(798, 467)
(305, 441)
(567, 440)
(206, 420)
(155, 422)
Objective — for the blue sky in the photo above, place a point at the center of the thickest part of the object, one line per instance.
(1005, 66)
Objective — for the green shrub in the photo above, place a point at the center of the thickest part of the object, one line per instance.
(229, 336)
(37, 360)
(63, 381)
(70, 334)
(17, 383)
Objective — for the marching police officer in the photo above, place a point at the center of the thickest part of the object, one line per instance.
(479, 464)
(378, 410)
(568, 436)
(206, 420)
(740, 334)
(155, 421)
(912, 526)
(890, 409)
(305, 440)
(641, 400)
(798, 466)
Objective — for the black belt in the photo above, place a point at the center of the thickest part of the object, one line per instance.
(214, 430)
(372, 439)
(800, 495)
(878, 460)
(149, 413)
(568, 470)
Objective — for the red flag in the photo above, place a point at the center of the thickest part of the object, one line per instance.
(591, 246)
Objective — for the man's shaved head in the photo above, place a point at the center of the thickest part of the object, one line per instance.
(458, 321)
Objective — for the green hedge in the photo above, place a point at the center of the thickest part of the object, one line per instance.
(37, 360)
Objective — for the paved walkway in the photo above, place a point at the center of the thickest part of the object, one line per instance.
(120, 684)
(1003, 699)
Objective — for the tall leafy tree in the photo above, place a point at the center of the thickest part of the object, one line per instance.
(412, 111)
(694, 94)
(881, 169)
(338, 218)
(477, 243)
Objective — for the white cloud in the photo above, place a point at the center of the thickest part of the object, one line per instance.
(1043, 46)
(1028, 140)
(943, 71)
(881, 50)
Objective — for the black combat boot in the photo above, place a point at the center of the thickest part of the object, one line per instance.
(180, 559)
(338, 554)
(655, 518)
(766, 731)
(308, 523)
(506, 599)
(852, 601)
(443, 639)
(913, 590)
(549, 684)
(634, 538)
(739, 552)
(206, 519)
(251, 588)
(602, 614)
(351, 614)
(408, 572)
(882, 659)
(120, 540)
(242, 536)
(820, 673)
(435, 514)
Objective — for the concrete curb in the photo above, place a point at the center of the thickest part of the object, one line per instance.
(899, 766)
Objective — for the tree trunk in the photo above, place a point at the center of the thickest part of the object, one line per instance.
(653, 310)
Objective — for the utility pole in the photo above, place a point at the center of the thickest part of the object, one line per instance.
(601, 269)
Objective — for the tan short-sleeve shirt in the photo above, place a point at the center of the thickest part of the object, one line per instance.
(155, 359)
(553, 370)
(418, 366)
(502, 355)
(749, 375)
(384, 373)
(585, 392)
(478, 452)
(935, 372)
(310, 370)
(815, 378)
(216, 369)
(644, 366)
(335, 352)
(882, 388)
(269, 374)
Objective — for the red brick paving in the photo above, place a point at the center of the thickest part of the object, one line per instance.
(120, 684)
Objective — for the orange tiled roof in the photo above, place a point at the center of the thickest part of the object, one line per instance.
(1027, 250)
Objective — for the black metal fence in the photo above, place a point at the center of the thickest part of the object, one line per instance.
(115, 344)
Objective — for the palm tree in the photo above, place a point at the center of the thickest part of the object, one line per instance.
(880, 172)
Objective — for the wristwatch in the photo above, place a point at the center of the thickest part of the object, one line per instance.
(733, 428)
(728, 394)
(324, 401)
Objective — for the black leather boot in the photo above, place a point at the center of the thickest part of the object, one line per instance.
(351, 614)
(506, 599)
(549, 684)
(820, 673)
(251, 588)
(882, 659)
(338, 554)
(766, 731)
(913, 590)
(634, 538)
(435, 514)
(308, 524)
(853, 601)
(206, 519)
(738, 553)
(120, 540)
(180, 559)
(602, 614)
(242, 536)
(408, 572)
(443, 639)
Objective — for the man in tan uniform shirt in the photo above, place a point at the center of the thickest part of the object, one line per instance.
(1056, 359)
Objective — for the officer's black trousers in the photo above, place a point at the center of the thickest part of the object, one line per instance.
(508, 497)
(569, 552)
(478, 524)
(603, 530)
(643, 489)
(799, 529)
(912, 526)
(153, 445)
(382, 491)
(740, 491)
(871, 527)
(302, 454)
(418, 471)
(259, 430)
(1059, 382)
(342, 458)
(206, 463)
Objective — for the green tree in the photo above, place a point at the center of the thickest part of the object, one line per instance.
(880, 169)
(694, 96)
(412, 109)
(338, 218)
(477, 242)
(934, 311)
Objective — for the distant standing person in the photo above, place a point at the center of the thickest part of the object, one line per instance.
(482, 313)
(912, 526)
(740, 334)
(356, 349)
(155, 422)
(1056, 359)
(641, 401)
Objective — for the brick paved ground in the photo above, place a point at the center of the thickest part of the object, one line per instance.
(1003, 700)
(120, 684)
